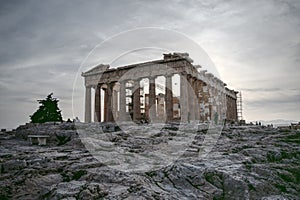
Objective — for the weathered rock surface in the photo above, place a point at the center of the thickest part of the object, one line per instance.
(246, 163)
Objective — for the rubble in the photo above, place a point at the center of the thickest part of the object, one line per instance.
(247, 162)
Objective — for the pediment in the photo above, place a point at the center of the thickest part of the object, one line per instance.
(96, 70)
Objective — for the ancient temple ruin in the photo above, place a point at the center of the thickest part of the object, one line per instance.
(133, 92)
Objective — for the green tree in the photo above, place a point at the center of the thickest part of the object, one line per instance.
(48, 111)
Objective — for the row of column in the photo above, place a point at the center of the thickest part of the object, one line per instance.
(194, 102)
(108, 106)
(109, 100)
(198, 101)
(151, 112)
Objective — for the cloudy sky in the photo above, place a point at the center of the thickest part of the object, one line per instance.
(255, 46)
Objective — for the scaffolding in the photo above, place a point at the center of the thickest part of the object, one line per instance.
(239, 106)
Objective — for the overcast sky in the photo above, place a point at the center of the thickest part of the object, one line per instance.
(255, 46)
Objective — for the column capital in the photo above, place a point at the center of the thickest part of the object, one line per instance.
(191, 77)
(136, 85)
(183, 73)
(111, 84)
(168, 75)
(94, 86)
(137, 79)
(152, 77)
(123, 80)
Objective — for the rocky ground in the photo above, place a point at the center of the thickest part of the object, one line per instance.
(245, 163)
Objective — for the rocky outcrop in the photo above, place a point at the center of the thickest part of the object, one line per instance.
(245, 163)
(59, 132)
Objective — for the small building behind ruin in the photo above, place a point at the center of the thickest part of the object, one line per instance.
(132, 92)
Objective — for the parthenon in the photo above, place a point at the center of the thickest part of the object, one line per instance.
(185, 93)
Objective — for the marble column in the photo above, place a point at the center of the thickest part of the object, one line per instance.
(211, 100)
(115, 104)
(136, 101)
(202, 102)
(108, 103)
(97, 116)
(197, 108)
(105, 105)
(224, 107)
(232, 108)
(184, 108)
(152, 98)
(216, 106)
(122, 114)
(191, 96)
(235, 110)
(227, 108)
(206, 99)
(87, 115)
(169, 98)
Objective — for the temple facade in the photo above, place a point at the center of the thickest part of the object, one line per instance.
(133, 93)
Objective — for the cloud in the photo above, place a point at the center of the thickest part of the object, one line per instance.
(255, 46)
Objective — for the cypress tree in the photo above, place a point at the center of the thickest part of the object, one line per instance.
(48, 111)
